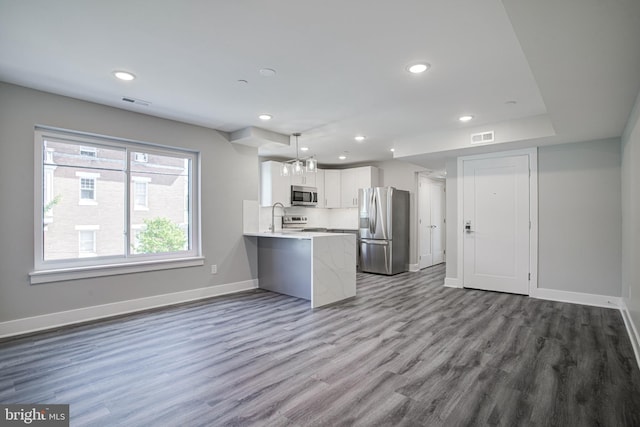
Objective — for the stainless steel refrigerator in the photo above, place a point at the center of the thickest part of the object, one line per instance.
(383, 230)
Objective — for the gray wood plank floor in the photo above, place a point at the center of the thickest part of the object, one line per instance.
(405, 352)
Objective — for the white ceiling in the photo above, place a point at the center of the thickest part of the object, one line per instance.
(572, 66)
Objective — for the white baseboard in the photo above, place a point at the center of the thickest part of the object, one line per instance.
(452, 282)
(413, 267)
(576, 298)
(631, 330)
(54, 320)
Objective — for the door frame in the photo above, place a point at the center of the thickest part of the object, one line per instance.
(418, 206)
(532, 153)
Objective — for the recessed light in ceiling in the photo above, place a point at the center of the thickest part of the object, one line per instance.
(418, 68)
(360, 138)
(265, 117)
(465, 118)
(392, 149)
(267, 72)
(124, 75)
(304, 148)
(243, 81)
(342, 157)
(511, 102)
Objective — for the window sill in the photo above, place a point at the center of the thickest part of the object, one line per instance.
(64, 274)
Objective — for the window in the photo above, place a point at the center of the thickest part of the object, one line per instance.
(87, 189)
(86, 243)
(159, 197)
(140, 157)
(140, 193)
(88, 151)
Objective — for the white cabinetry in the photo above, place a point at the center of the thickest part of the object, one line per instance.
(336, 188)
(354, 179)
(274, 187)
(332, 179)
(319, 175)
(307, 180)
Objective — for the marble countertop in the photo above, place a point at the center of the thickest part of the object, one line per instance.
(294, 234)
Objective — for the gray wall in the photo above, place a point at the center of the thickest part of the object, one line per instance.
(579, 217)
(229, 174)
(631, 215)
(579, 202)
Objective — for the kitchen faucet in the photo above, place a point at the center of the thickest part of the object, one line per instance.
(273, 221)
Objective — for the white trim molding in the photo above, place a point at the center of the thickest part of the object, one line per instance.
(576, 298)
(413, 267)
(452, 282)
(631, 330)
(85, 314)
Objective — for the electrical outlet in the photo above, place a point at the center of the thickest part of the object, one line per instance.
(214, 269)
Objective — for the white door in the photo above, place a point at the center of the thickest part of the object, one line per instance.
(431, 200)
(437, 221)
(424, 222)
(496, 224)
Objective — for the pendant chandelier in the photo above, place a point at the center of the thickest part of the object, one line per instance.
(297, 166)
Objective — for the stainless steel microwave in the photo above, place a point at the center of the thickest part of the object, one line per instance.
(303, 196)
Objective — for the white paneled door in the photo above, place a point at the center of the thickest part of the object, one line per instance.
(431, 199)
(496, 224)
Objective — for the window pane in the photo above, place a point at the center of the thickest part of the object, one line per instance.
(67, 153)
(83, 202)
(161, 185)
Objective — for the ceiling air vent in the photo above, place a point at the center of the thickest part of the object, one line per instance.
(136, 101)
(482, 137)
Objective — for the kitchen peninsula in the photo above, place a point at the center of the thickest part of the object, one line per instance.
(314, 266)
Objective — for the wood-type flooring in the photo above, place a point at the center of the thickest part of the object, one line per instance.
(405, 352)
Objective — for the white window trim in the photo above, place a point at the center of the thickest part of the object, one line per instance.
(53, 271)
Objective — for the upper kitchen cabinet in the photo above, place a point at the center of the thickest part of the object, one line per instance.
(354, 179)
(332, 179)
(307, 180)
(319, 175)
(274, 187)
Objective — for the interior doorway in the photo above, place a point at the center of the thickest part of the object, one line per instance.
(431, 221)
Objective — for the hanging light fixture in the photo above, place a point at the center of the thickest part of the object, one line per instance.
(296, 166)
(312, 165)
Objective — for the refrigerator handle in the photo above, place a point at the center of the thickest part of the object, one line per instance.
(371, 215)
(375, 242)
(374, 212)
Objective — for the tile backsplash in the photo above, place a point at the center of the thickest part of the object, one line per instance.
(317, 217)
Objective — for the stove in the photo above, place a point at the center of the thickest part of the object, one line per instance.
(294, 222)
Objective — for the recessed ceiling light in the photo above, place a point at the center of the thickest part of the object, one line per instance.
(418, 68)
(465, 118)
(267, 72)
(342, 157)
(360, 138)
(304, 148)
(124, 75)
(265, 117)
(392, 149)
(511, 102)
